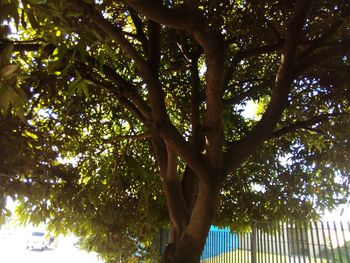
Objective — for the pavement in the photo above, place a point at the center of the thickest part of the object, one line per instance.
(13, 250)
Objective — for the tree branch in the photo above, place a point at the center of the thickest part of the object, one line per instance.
(279, 98)
(21, 46)
(177, 207)
(195, 96)
(249, 93)
(245, 54)
(322, 57)
(306, 123)
(153, 54)
(153, 9)
(139, 29)
(272, 27)
(128, 137)
(113, 32)
(129, 98)
(326, 35)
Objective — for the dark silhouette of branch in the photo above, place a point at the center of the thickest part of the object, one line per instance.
(319, 58)
(113, 32)
(304, 124)
(140, 34)
(249, 93)
(153, 9)
(325, 36)
(240, 150)
(246, 54)
(128, 137)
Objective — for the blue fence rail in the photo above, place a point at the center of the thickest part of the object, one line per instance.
(219, 241)
(312, 242)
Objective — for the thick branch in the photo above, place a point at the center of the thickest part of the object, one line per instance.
(195, 95)
(323, 56)
(279, 98)
(139, 29)
(306, 124)
(153, 9)
(249, 54)
(22, 46)
(154, 47)
(113, 32)
(125, 92)
(177, 207)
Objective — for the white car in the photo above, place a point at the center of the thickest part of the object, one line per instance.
(38, 240)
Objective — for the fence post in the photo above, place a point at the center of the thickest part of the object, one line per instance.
(253, 243)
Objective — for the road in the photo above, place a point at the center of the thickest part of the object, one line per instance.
(12, 250)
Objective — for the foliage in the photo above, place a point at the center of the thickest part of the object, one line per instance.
(79, 119)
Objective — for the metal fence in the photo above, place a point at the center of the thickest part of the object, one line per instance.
(313, 242)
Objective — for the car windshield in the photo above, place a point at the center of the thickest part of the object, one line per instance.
(38, 234)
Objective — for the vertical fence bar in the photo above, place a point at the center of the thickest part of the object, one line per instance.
(258, 243)
(231, 246)
(224, 245)
(238, 247)
(209, 246)
(282, 230)
(272, 242)
(265, 247)
(243, 247)
(325, 241)
(338, 245)
(312, 242)
(345, 243)
(242, 251)
(331, 241)
(268, 246)
(248, 247)
(318, 241)
(289, 243)
(249, 244)
(279, 241)
(253, 244)
(295, 231)
(237, 250)
(302, 241)
(212, 245)
(277, 244)
(307, 240)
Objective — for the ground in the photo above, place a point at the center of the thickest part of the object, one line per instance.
(13, 250)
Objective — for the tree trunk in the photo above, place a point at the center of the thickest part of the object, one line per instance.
(188, 246)
(183, 251)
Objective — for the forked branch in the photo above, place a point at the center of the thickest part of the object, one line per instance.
(279, 98)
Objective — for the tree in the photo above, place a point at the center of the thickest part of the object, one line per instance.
(114, 110)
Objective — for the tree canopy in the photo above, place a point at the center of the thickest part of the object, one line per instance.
(120, 118)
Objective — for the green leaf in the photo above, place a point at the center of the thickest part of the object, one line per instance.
(85, 88)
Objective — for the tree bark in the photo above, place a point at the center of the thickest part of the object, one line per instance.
(189, 245)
